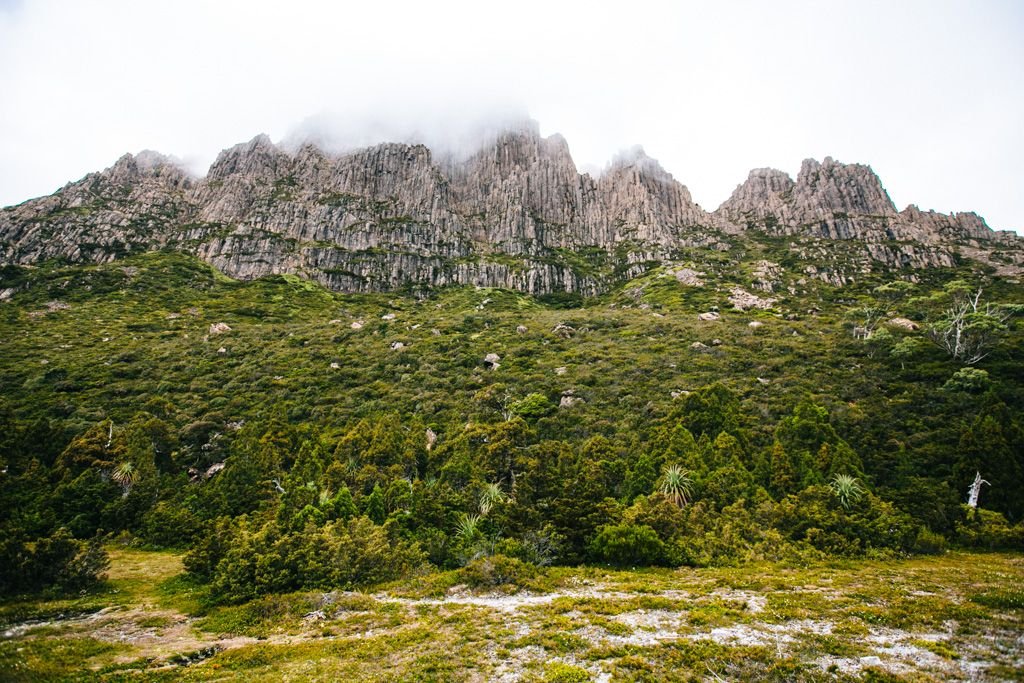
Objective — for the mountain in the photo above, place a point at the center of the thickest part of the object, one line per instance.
(516, 214)
(797, 379)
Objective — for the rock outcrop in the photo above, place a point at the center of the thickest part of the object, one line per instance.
(831, 200)
(516, 214)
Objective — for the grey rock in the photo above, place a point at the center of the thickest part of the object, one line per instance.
(688, 277)
(742, 300)
(570, 401)
(832, 200)
(564, 331)
(394, 215)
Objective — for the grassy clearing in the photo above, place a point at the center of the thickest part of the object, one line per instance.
(955, 617)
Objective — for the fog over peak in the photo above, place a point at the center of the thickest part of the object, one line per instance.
(454, 134)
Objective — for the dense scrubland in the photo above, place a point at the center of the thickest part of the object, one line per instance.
(792, 478)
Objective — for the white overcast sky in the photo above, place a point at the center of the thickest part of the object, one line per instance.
(928, 92)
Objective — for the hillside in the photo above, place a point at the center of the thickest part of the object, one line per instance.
(309, 374)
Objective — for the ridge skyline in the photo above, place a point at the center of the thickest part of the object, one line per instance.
(293, 142)
(516, 214)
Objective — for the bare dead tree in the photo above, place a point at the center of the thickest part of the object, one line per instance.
(974, 490)
(967, 331)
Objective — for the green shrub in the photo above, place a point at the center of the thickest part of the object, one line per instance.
(532, 407)
(628, 545)
(560, 672)
(988, 530)
(497, 570)
(970, 380)
(929, 543)
(57, 563)
(341, 554)
(167, 525)
(816, 517)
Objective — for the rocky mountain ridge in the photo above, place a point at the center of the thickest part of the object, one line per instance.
(516, 214)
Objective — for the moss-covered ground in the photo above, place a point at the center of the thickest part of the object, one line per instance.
(955, 617)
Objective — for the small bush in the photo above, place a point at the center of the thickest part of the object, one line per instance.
(269, 559)
(560, 672)
(988, 530)
(929, 543)
(57, 563)
(169, 526)
(532, 407)
(970, 380)
(497, 570)
(628, 545)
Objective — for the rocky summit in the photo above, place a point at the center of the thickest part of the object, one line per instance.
(516, 214)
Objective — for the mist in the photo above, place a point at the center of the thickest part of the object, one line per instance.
(452, 133)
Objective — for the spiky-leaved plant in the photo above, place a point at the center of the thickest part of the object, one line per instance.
(491, 495)
(847, 489)
(467, 529)
(676, 484)
(125, 474)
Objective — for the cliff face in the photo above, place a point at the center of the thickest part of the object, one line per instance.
(516, 214)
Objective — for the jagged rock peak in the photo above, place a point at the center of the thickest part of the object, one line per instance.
(146, 163)
(829, 199)
(830, 186)
(149, 159)
(953, 225)
(636, 158)
(763, 186)
(259, 155)
(520, 146)
(506, 215)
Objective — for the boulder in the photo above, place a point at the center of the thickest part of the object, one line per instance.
(905, 324)
(564, 331)
(689, 277)
(741, 300)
